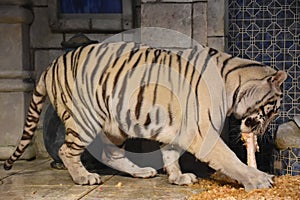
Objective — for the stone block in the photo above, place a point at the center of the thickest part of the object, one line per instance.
(200, 22)
(43, 58)
(39, 2)
(101, 24)
(216, 17)
(15, 85)
(176, 17)
(172, 16)
(11, 56)
(12, 118)
(15, 2)
(7, 151)
(41, 35)
(217, 43)
(15, 15)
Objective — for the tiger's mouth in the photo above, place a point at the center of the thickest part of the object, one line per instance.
(256, 125)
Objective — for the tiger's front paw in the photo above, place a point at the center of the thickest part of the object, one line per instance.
(183, 179)
(89, 179)
(257, 180)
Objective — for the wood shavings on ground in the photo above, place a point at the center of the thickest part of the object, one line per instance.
(119, 184)
(220, 187)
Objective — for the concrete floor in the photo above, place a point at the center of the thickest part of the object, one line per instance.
(37, 180)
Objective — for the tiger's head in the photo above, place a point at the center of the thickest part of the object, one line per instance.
(258, 102)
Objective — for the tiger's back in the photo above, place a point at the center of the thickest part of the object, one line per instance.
(125, 83)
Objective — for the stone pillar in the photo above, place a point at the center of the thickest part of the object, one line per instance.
(15, 74)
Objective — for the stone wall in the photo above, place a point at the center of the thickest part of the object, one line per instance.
(30, 45)
(201, 20)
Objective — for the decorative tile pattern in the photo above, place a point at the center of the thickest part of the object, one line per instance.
(269, 31)
(287, 161)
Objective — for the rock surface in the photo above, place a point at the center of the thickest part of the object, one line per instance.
(288, 135)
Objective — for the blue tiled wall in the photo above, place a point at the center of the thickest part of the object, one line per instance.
(287, 162)
(269, 31)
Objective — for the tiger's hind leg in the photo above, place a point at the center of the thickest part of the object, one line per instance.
(171, 165)
(70, 154)
(114, 157)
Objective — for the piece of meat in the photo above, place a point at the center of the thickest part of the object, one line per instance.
(250, 141)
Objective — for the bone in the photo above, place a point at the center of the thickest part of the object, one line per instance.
(250, 141)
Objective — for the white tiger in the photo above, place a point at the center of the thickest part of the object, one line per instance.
(128, 90)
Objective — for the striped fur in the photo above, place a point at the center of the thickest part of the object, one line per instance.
(127, 90)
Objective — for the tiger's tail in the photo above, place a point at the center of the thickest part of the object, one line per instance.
(33, 115)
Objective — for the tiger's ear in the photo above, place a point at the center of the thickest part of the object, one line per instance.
(278, 78)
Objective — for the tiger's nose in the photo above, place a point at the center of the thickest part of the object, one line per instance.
(251, 122)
